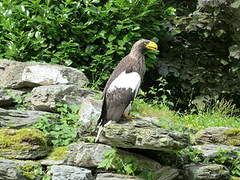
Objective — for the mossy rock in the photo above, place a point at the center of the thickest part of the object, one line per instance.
(218, 135)
(20, 170)
(233, 137)
(30, 171)
(23, 144)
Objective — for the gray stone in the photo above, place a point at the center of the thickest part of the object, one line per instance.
(90, 109)
(87, 155)
(90, 155)
(218, 135)
(63, 172)
(206, 172)
(142, 134)
(211, 3)
(19, 119)
(6, 97)
(14, 170)
(31, 74)
(113, 176)
(45, 98)
(23, 144)
(210, 150)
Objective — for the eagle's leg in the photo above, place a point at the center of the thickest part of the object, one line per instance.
(100, 129)
(126, 113)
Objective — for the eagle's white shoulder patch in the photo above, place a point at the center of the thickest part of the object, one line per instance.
(125, 80)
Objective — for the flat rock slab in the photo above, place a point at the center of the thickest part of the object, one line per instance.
(210, 150)
(63, 172)
(19, 119)
(113, 176)
(142, 134)
(45, 98)
(90, 155)
(6, 97)
(206, 172)
(23, 144)
(218, 135)
(14, 170)
(18, 75)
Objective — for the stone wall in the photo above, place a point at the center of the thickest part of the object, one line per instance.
(26, 152)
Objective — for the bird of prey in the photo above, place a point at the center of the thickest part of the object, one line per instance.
(123, 84)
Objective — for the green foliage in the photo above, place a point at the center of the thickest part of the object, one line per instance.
(61, 129)
(124, 165)
(30, 171)
(201, 52)
(190, 155)
(218, 115)
(158, 94)
(21, 102)
(92, 35)
(231, 159)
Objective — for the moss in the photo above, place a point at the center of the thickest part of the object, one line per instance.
(232, 132)
(30, 171)
(235, 178)
(59, 153)
(233, 137)
(21, 140)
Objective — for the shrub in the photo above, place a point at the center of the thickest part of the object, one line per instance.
(89, 34)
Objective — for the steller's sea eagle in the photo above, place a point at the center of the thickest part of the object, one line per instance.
(123, 84)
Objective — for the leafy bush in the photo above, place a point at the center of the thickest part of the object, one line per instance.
(89, 34)
(62, 129)
(201, 53)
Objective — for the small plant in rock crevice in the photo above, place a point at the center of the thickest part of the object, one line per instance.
(62, 128)
(20, 101)
(230, 159)
(125, 165)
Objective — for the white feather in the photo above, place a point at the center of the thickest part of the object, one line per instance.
(125, 80)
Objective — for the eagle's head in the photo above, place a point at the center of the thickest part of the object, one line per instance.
(144, 44)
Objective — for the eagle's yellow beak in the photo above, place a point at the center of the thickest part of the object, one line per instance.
(152, 46)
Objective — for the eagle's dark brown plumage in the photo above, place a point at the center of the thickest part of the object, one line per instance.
(124, 82)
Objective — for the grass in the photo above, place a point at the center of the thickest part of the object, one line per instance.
(220, 115)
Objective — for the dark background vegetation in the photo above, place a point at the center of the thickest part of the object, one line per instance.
(198, 57)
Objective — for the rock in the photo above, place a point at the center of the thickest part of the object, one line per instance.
(63, 172)
(56, 157)
(142, 134)
(211, 3)
(23, 144)
(19, 119)
(210, 150)
(17, 75)
(6, 97)
(113, 176)
(18, 170)
(90, 109)
(87, 155)
(90, 155)
(218, 135)
(206, 172)
(45, 98)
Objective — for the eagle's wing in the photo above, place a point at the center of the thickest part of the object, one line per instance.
(119, 95)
